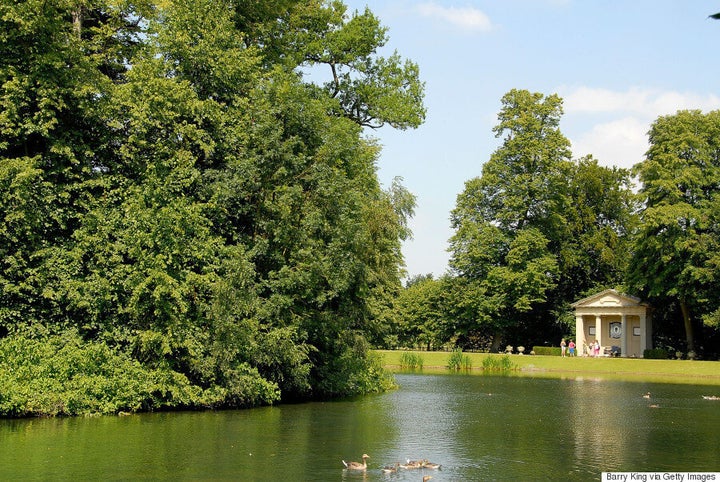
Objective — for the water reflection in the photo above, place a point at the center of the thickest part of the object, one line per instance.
(477, 427)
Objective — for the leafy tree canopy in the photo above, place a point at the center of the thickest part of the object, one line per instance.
(676, 254)
(173, 187)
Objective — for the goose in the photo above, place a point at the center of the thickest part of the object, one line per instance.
(647, 395)
(389, 469)
(426, 478)
(411, 464)
(429, 465)
(654, 405)
(357, 465)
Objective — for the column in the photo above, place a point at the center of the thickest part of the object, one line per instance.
(643, 335)
(579, 335)
(624, 336)
(598, 331)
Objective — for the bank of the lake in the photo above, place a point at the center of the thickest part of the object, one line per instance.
(631, 369)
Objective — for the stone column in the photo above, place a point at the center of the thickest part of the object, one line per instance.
(579, 335)
(643, 335)
(598, 331)
(624, 336)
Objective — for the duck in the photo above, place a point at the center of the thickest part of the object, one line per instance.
(357, 465)
(426, 478)
(389, 469)
(647, 395)
(429, 465)
(654, 405)
(411, 464)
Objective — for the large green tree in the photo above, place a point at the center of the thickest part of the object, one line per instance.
(508, 220)
(676, 252)
(174, 186)
(537, 229)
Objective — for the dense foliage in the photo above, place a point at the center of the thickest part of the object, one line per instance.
(181, 193)
(676, 263)
(536, 231)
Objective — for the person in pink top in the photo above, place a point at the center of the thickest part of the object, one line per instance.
(571, 348)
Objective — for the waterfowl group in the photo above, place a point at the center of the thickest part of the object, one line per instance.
(357, 465)
(711, 397)
(388, 469)
(419, 464)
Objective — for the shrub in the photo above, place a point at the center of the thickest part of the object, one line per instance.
(65, 375)
(457, 360)
(547, 350)
(656, 354)
(499, 363)
(411, 360)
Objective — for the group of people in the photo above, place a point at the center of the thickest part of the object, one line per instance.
(568, 349)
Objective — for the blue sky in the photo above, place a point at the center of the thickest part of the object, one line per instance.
(617, 64)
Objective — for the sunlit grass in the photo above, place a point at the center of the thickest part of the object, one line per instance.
(632, 369)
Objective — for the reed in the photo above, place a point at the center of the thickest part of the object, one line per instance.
(499, 363)
(411, 360)
(458, 360)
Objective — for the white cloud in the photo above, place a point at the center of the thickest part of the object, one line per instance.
(621, 142)
(467, 18)
(646, 102)
(612, 125)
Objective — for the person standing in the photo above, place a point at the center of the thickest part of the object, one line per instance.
(563, 346)
(571, 348)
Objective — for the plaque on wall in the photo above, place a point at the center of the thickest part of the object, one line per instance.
(615, 330)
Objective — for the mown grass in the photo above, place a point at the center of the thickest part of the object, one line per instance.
(631, 369)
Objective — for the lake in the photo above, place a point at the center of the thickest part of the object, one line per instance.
(478, 427)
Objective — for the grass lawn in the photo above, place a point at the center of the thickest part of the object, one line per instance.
(631, 369)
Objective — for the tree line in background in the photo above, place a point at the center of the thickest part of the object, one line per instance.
(190, 214)
(539, 230)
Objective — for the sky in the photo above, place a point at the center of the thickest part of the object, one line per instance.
(617, 64)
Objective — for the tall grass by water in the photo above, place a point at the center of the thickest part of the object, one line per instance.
(411, 360)
(458, 361)
(498, 364)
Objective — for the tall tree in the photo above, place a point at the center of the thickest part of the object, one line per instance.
(173, 185)
(679, 236)
(537, 230)
(510, 220)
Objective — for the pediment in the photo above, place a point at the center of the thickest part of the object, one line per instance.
(608, 299)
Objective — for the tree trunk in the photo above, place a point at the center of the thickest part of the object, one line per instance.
(77, 21)
(689, 332)
(497, 339)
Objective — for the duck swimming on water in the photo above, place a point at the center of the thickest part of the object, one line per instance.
(411, 464)
(389, 469)
(429, 465)
(357, 465)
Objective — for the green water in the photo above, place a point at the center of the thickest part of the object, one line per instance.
(477, 427)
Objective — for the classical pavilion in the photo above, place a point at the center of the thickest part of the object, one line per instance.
(619, 322)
